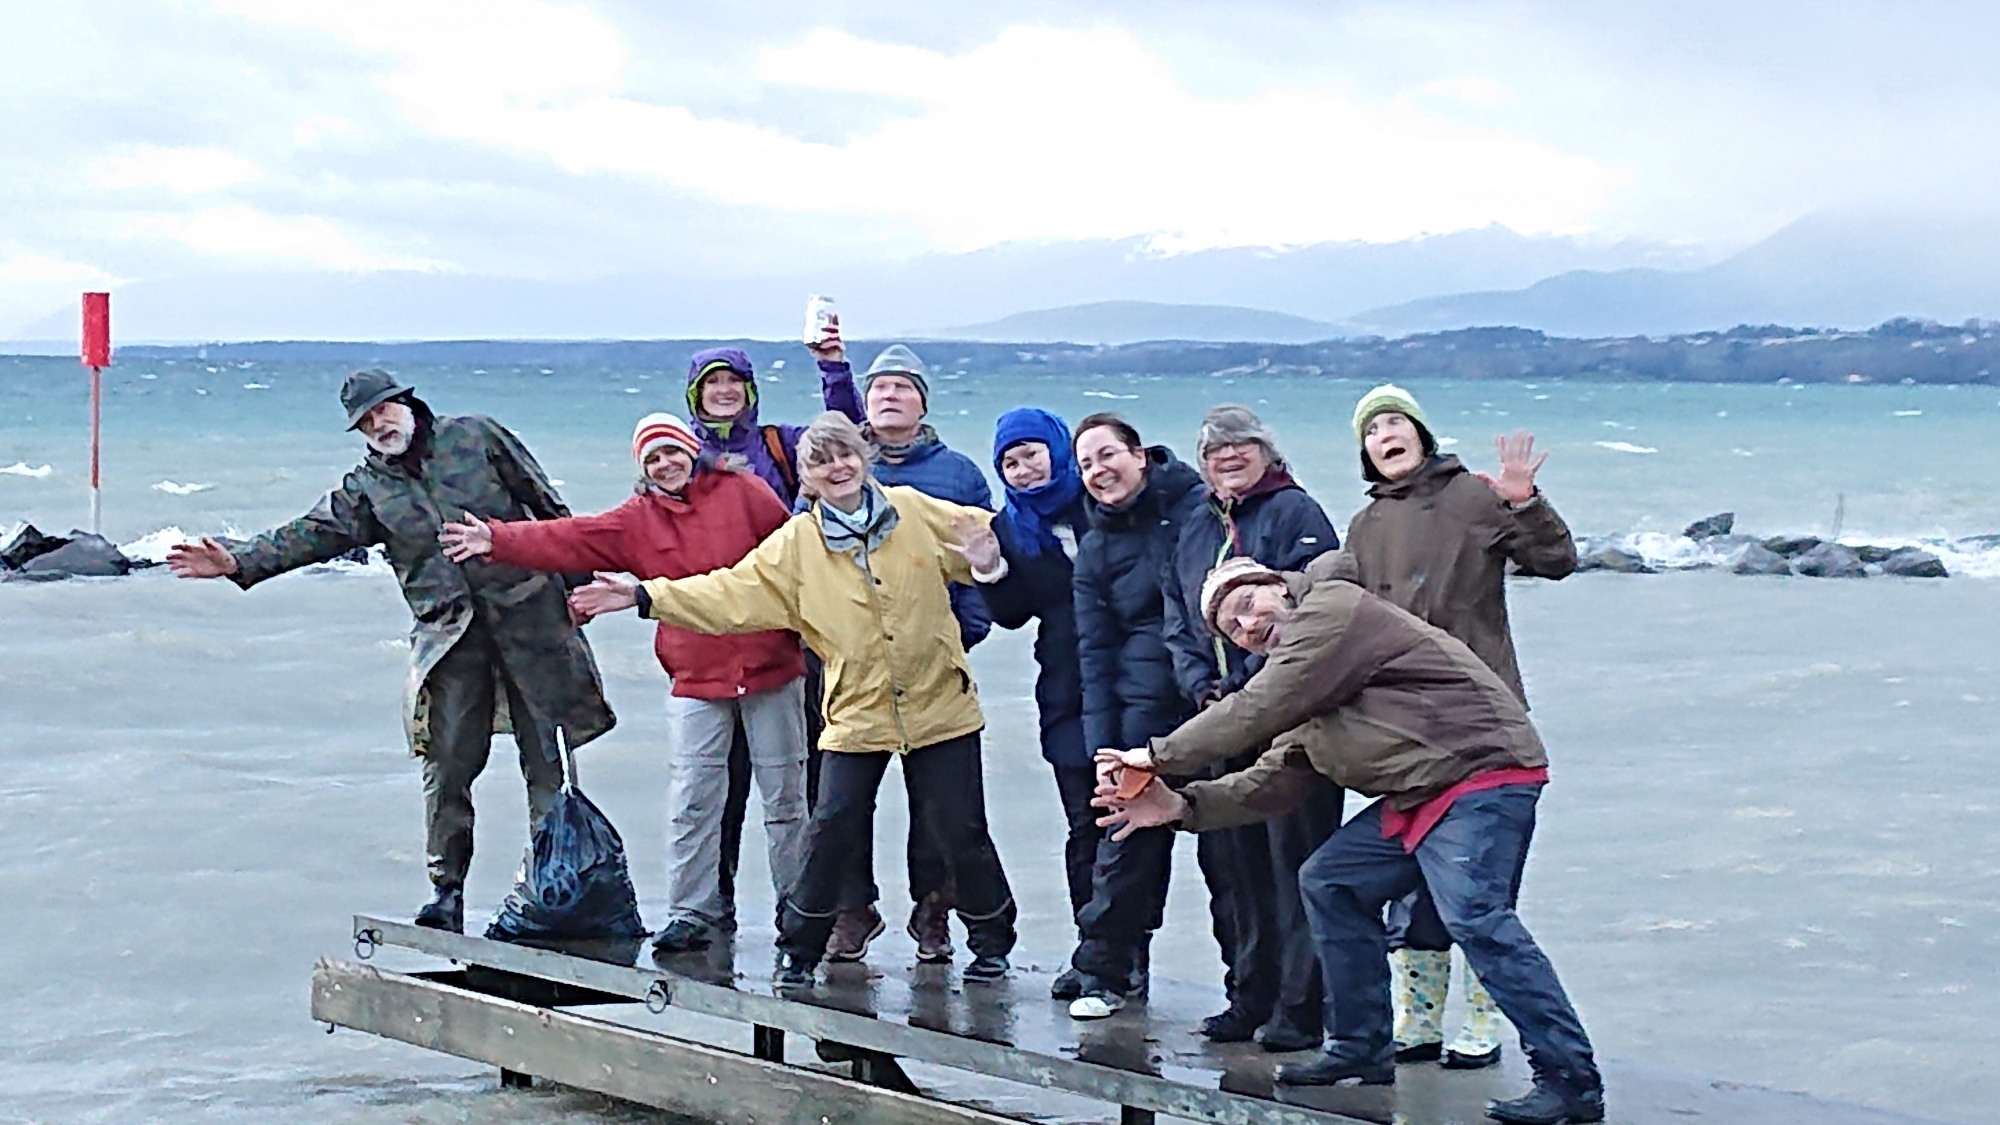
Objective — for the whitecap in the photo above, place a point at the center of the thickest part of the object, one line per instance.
(173, 488)
(1106, 394)
(1447, 442)
(154, 547)
(256, 386)
(1624, 447)
(1908, 413)
(22, 469)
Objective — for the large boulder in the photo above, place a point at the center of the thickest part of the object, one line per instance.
(1872, 554)
(1914, 562)
(1721, 523)
(84, 556)
(1606, 556)
(30, 543)
(1830, 560)
(1792, 546)
(1755, 558)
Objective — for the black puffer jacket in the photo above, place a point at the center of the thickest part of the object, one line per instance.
(1277, 524)
(1130, 693)
(1038, 588)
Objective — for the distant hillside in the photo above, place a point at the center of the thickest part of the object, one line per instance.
(1322, 282)
(1824, 270)
(1130, 322)
(1899, 350)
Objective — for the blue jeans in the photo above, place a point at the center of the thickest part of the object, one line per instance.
(1471, 861)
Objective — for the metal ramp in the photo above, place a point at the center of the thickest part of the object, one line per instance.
(838, 1052)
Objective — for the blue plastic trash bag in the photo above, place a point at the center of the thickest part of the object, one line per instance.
(574, 882)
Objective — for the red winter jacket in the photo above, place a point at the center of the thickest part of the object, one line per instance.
(656, 536)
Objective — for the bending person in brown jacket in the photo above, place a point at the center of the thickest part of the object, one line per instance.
(1438, 540)
(1381, 703)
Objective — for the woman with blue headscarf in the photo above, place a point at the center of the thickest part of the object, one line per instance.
(1038, 531)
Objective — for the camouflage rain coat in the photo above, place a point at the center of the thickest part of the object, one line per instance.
(472, 464)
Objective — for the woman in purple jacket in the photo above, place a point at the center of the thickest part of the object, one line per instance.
(722, 406)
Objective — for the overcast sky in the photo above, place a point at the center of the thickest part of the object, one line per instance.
(524, 138)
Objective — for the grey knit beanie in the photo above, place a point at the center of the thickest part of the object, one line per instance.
(899, 360)
(1234, 424)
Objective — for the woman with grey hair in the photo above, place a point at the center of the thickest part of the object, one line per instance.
(861, 575)
(1255, 510)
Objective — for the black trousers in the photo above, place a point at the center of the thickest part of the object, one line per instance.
(1128, 900)
(1271, 969)
(1077, 785)
(947, 794)
(463, 690)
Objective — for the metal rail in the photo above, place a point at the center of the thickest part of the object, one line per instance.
(1139, 1094)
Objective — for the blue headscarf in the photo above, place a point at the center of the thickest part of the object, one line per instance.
(1036, 510)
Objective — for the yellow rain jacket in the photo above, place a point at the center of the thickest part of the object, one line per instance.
(896, 675)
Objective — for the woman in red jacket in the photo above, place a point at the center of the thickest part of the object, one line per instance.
(684, 520)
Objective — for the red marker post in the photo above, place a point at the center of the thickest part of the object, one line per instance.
(97, 357)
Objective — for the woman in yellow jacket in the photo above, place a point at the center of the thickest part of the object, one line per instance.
(861, 576)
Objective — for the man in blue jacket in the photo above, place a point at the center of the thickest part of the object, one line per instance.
(896, 396)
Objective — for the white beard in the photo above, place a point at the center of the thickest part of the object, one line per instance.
(393, 441)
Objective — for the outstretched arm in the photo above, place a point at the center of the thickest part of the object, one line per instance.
(338, 524)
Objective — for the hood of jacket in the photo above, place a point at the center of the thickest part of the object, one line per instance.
(1169, 481)
(739, 433)
(1428, 480)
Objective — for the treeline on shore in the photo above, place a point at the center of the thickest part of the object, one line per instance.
(1903, 350)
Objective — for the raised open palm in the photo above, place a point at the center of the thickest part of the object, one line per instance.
(1518, 466)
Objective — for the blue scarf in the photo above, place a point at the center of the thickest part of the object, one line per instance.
(1035, 511)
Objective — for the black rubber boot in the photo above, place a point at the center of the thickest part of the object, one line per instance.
(445, 911)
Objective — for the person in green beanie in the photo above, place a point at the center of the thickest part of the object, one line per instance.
(1437, 540)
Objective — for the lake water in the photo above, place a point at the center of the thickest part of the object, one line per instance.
(1771, 852)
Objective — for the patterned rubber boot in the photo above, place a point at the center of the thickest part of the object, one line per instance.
(1420, 979)
(1477, 1043)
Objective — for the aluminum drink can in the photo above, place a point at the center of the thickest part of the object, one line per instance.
(822, 319)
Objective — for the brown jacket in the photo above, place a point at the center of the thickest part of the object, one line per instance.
(1382, 703)
(1437, 543)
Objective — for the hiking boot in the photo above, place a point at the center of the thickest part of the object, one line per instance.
(1232, 1026)
(986, 966)
(445, 911)
(853, 930)
(1335, 1070)
(1281, 1036)
(1068, 985)
(930, 925)
(1096, 1004)
(1544, 1105)
(682, 935)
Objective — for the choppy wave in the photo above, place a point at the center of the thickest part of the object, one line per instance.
(23, 469)
(1624, 447)
(173, 488)
(1968, 557)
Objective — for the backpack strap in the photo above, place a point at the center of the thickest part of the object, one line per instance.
(774, 444)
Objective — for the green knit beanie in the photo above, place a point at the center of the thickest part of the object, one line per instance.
(1385, 399)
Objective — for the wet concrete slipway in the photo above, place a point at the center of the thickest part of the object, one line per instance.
(1769, 856)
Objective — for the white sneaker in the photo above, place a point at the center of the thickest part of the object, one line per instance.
(1096, 1006)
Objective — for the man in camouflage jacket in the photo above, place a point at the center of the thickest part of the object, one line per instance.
(493, 647)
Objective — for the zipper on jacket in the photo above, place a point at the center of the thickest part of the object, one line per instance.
(875, 604)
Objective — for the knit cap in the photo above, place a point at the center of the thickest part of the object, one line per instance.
(1231, 424)
(655, 430)
(899, 360)
(1385, 399)
(1228, 575)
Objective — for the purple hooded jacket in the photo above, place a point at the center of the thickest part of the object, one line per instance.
(743, 435)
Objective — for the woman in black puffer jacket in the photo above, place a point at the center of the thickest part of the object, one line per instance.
(1138, 498)
(1254, 510)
